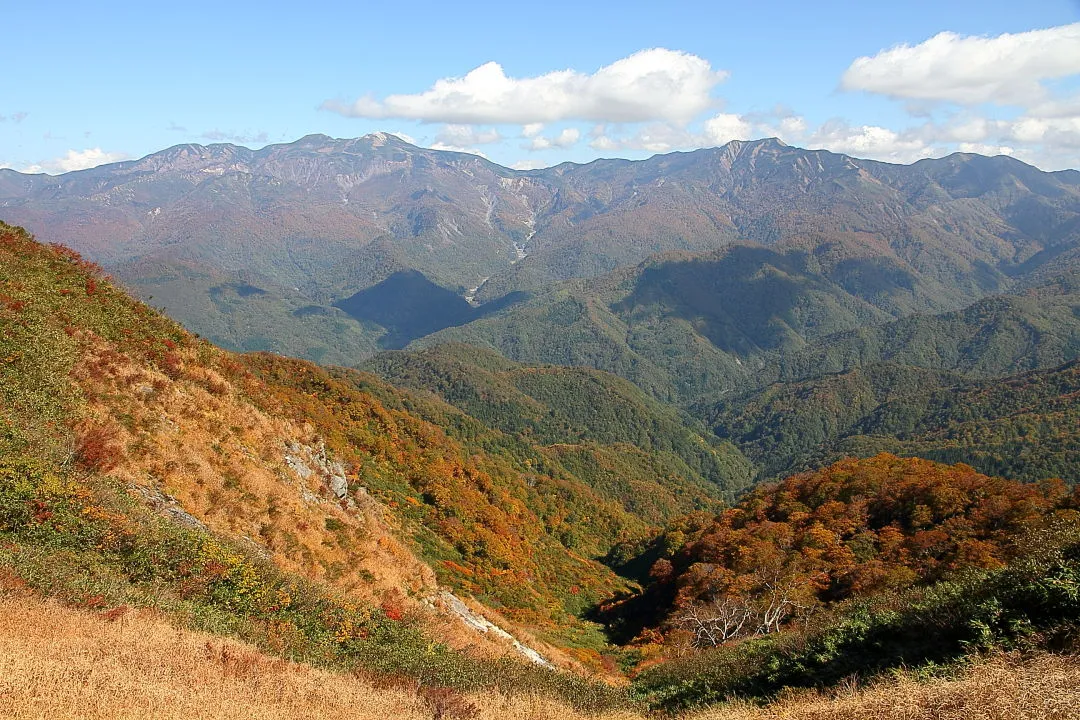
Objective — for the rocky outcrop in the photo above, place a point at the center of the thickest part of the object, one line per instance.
(168, 506)
(455, 605)
(306, 461)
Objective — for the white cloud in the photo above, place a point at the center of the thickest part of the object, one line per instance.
(1027, 70)
(603, 143)
(1051, 143)
(655, 84)
(655, 137)
(725, 127)
(984, 149)
(1058, 108)
(246, 138)
(532, 129)
(792, 126)
(76, 160)
(567, 138)
(407, 138)
(456, 148)
(1059, 133)
(530, 165)
(1008, 69)
(665, 137)
(462, 135)
(866, 141)
(871, 141)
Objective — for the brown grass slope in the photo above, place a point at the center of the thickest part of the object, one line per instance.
(99, 384)
(1044, 687)
(56, 662)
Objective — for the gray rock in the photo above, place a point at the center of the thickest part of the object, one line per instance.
(481, 624)
(339, 486)
(306, 461)
(168, 506)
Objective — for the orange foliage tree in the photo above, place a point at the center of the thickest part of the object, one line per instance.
(855, 528)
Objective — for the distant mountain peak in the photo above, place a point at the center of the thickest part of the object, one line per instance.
(315, 139)
(759, 144)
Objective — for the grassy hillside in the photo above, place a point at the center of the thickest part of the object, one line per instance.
(310, 466)
(134, 666)
(123, 662)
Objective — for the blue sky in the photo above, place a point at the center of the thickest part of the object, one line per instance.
(536, 84)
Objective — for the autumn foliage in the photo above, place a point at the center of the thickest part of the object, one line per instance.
(88, 374)
(97, 448)
(853, 529)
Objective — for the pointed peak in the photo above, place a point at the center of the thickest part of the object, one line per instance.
(770, 143)
(315, 139)
(380, 138)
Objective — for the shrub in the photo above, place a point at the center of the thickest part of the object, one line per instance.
(97, 448)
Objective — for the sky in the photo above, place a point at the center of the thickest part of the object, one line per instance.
(535, 84)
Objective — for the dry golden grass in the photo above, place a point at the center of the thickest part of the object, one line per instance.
(56, 662)
(1046, 687)
(194, 436)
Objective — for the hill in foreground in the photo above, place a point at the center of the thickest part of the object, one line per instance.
(328, 475)
(135, 665)
(294, 507)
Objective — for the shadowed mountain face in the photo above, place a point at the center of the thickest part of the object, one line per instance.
(699, 328)
(410, 306)
(749, 299)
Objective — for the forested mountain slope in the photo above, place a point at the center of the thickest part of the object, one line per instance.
(697, 328)
(867, 528)
(1022, 427)
(570, 410)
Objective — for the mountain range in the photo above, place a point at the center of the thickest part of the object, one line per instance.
(265, 249)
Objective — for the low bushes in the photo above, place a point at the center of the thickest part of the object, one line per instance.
(1034, 602)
